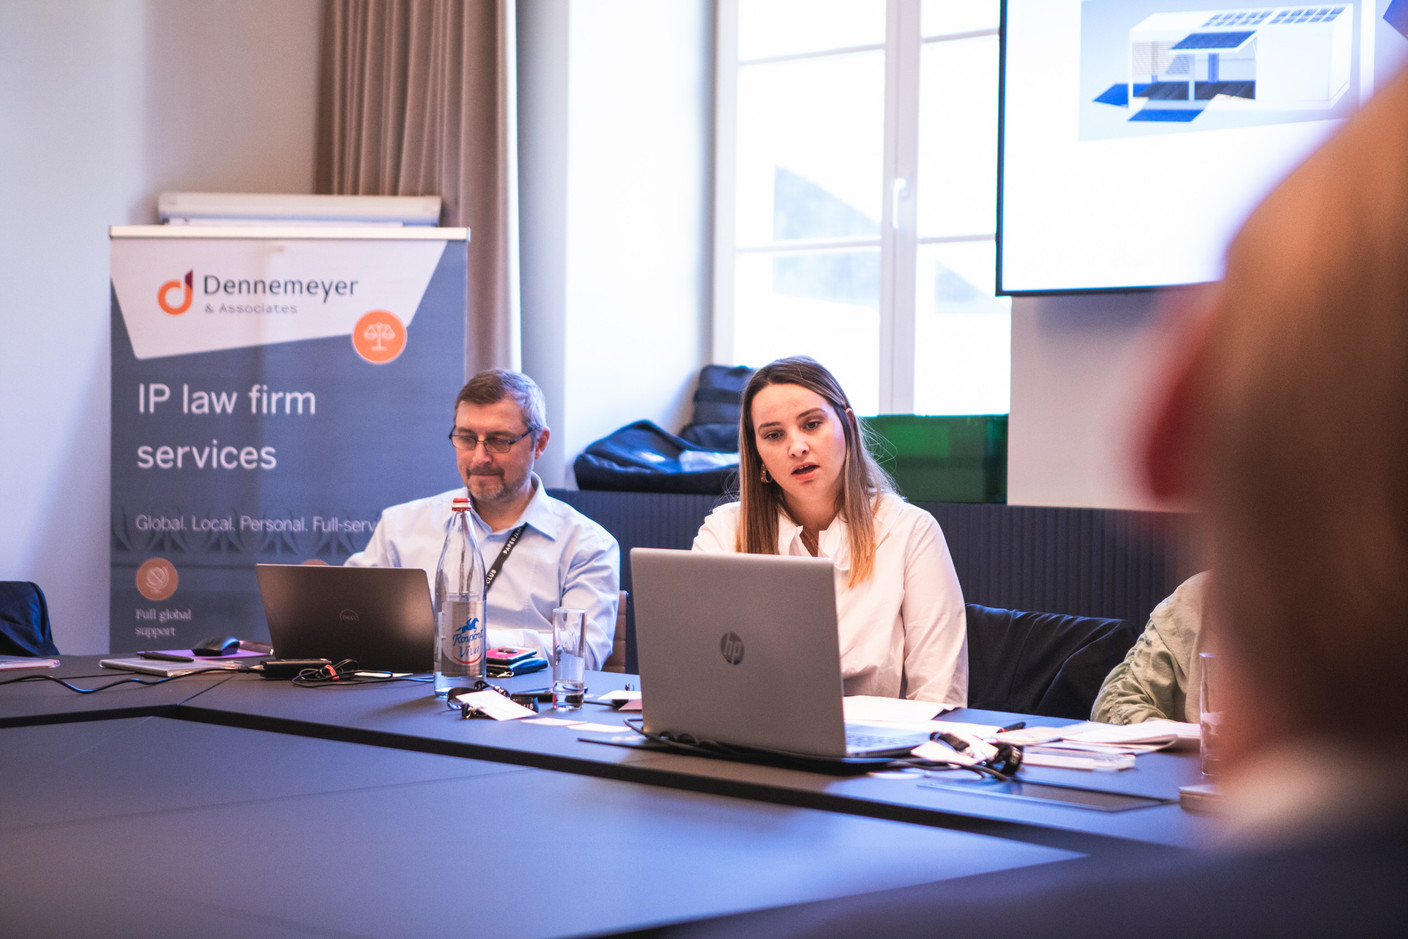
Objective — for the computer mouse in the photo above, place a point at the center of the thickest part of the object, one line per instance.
(217, 645)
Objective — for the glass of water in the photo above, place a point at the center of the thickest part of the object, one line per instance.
(1211, 703)
(568, 657)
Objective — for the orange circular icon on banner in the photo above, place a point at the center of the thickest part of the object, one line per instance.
(379, 336)
(157, 579)
(184, 285)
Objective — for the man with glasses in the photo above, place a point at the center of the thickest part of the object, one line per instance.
(542, 552)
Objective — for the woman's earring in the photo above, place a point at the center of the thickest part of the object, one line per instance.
(765, 477)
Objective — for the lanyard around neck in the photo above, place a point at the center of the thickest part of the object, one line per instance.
(493, 572)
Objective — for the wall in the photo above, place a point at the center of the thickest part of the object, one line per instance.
(615, 112)
(105, 104)
(1082, 373)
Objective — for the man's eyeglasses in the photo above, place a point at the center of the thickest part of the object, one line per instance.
(494, 443)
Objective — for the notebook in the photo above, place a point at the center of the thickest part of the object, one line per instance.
(381, 617)
(742, 650)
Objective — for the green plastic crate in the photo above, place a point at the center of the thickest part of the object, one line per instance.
(948, 458)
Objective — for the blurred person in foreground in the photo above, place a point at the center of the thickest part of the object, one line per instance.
(1285, 422)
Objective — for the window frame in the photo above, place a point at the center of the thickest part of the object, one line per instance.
(899, 241)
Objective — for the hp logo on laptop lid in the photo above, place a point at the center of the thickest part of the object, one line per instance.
(731, 645)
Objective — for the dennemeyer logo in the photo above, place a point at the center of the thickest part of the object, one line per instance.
(187, 295)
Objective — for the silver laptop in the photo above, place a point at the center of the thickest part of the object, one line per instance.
(381, 617)
(742, 650)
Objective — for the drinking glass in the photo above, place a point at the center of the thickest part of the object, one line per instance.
(568, 657)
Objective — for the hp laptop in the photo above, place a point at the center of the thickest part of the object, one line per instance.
(381, 617)
(741, 650)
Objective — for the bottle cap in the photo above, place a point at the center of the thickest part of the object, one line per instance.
(459, 504)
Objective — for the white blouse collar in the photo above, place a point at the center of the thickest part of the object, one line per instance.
(833, 543)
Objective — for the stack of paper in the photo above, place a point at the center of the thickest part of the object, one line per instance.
(26, 661)
(1149, 735)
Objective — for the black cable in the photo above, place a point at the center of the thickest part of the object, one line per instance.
(123, 681)
(690, 743)
(345, 673)
(305, 682)
(930, 766)
(300, 681)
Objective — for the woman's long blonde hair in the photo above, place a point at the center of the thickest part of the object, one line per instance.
(862, 480)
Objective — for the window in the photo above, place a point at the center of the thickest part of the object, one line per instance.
(856, 197)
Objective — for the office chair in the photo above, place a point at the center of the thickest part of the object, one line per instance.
(1041, 663)
(24, 620)
(616, 661)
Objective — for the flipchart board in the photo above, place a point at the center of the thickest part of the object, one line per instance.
(272, 390)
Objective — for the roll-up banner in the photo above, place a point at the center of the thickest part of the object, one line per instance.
(272, 390)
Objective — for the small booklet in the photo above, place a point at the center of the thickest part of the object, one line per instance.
(8, 662)
(170, 669)
(1095, 737)
(1155, 734)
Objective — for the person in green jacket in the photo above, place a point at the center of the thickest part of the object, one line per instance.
(1160, 676)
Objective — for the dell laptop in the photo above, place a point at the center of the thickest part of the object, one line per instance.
(741, 651)
(380, 617)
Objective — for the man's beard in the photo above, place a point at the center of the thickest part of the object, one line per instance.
(490, 488)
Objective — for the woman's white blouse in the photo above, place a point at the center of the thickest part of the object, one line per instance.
(903, 631)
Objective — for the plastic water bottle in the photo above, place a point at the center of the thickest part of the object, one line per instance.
(459, 604)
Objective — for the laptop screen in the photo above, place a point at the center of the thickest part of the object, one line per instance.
(739, 649)
(380, 617)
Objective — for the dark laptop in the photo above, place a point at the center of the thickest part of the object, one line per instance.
(741, 650)
(381, 617)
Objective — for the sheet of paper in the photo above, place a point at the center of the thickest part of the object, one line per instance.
(1106, 762)
(1159, 733)
(621, 700)
(492, 704)
(910, 715)
(1031, 736)
(872, 709)
(592, 727)
(585, 726)
(938, 752)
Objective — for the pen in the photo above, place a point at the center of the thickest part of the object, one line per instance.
(165, 656)
(1017, 726)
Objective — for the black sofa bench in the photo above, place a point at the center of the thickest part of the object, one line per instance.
(1111, 563)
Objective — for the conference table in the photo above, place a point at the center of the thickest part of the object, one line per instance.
(228, 804)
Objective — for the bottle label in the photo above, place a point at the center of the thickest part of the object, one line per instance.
(462, 632)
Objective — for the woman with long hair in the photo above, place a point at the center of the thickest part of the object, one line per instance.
(809, 486)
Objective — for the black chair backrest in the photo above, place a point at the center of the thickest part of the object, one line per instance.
(1041, 663)
(24, 620)
(718, 402)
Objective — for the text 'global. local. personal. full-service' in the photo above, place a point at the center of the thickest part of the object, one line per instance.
(250, 523)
